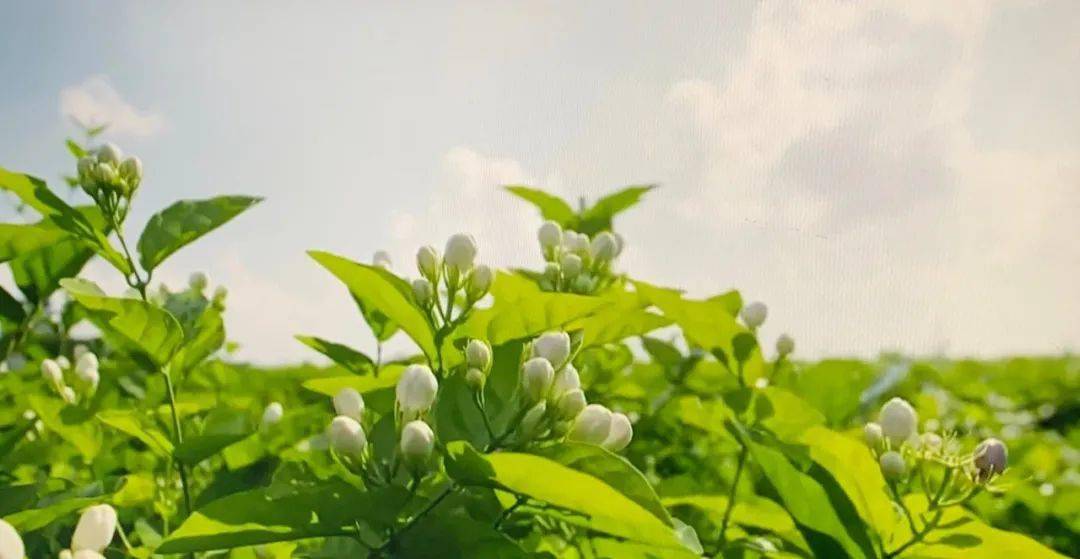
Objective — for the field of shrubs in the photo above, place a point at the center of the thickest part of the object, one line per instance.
(567, 410)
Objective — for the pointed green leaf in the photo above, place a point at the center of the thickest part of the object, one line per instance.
(375, 289)
(343, 355)
(146, 329)
(598, 217)
(551, 207)
(185, 221)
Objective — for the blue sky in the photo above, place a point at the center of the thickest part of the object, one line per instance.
(885, 176)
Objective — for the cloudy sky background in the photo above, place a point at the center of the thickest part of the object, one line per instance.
(886, 176)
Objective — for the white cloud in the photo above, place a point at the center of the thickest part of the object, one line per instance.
(95, 102)
(469, 198)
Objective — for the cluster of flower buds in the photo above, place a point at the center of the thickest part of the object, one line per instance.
(106, 171)
(458, 270)
(576, 263)
(895, 437)
(93, 533)
(551, 388)
(346, 431)
(85, 374)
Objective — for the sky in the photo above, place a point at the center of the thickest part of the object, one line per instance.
(886, 176)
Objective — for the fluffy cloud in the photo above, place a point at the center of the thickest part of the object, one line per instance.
(95, 102)
(848, 124)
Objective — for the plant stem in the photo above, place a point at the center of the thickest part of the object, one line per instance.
(917, 536)
(942, 489)
(903, 506)
(478, 400)
(416, 518)
(731, 494)
(521, 500)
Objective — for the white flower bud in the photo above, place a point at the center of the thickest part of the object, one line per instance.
(51, 372)
(478, 354)
(272, 415)
(86, 167)
(86, 362)
(106, 173)
(480, 281)
(785, 345)
(577, 243)
(63, 362)
(550, 235)
(531, 421)
(429, 263)
(416, 390)
(930, 441)
(423, 292)
(11, 545)
(566, 380)
(872, 435)
(79, 350)
(109, 153)
(553, 346)
(898, 421)
(131, 170)
(417, 441)
(620, 244)
(460, 252)
(592, 425)
(350, 403)
(552, 271)
(893, 465)
(381, 259)
(571, 403)
(583, 284)
(621, 432)
(347, 436)
(536, 377)
(753, 315)
(991, 458)
(95, 529)
(89, 378)
(68, 395)
(198, 281)
(571, 265)
(475, 378)
(604, 247)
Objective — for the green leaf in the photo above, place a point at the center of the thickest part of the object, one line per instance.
(74, 425)
(809, 503)
(378, 391)
(38, 273)
(16, 240)
(34, 193)
(148, 330)
(598, 217)
(205, 337)
(589, 500)
(185, 221)
(222, 427)
(265, 516)
(960, 535)
(11, 310)
(613, 469)
(343, 355)
(521, 310)
(751, 511)
(550, 206)
(134, 424)
(833, 386)
(375, 289)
